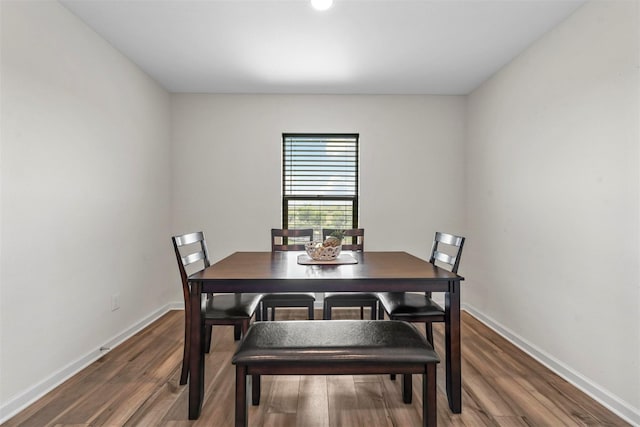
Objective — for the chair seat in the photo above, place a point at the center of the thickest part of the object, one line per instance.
(350, 299)
(399, 304)
(350, 296)
(229, 306)
(285, 299)
(289, 296)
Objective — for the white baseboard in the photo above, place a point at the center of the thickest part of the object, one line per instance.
(612, 402)
(23, 400)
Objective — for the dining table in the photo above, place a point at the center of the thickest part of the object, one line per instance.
(266, 272)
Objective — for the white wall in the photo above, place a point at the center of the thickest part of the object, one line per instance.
(85, 198)
(553, 211)
(227, 164)
(552, 180)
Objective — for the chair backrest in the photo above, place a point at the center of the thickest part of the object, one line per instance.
(452, 256)
(354, 235)
(196, 253)
(280, 239)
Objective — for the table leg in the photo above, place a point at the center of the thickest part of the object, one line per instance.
(196, 353)
(452, 339)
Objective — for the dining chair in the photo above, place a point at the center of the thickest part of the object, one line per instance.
(349, 299)
(288, 240)
(412, 307)
(221, 309)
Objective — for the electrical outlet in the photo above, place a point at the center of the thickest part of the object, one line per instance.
(115, 302)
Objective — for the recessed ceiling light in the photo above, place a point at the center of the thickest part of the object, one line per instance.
(321, 4)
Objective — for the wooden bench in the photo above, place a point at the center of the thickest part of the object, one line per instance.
(334, 347)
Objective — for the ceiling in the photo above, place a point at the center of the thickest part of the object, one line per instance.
(356, 47)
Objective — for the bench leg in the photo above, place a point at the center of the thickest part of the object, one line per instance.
(429, 398)
(241, 396)
(311, 316)
(255, 390)
(407, 386)
(326, 311)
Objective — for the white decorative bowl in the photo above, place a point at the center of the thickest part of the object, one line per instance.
(316, 251)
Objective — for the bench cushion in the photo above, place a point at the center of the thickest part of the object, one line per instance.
(334, 341)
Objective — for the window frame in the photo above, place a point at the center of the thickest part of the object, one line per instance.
(355, 199)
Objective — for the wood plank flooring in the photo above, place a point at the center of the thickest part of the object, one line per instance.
(136, 384)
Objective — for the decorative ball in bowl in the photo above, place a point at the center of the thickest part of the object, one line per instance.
(317, 251)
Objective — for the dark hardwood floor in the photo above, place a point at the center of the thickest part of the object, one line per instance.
(136, 384)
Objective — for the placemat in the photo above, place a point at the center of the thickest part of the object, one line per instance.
(305, 259)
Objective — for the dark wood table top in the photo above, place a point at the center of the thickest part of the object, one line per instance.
(256, 271)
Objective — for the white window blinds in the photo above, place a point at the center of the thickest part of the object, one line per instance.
(320, 181)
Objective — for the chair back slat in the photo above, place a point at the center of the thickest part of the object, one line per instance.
(445, 258)
(354, 235)
(449, 239)
(188, 239)
(455, 244)
(192, 258)
(283, 236)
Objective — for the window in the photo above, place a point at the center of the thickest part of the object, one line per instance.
(319, 181)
